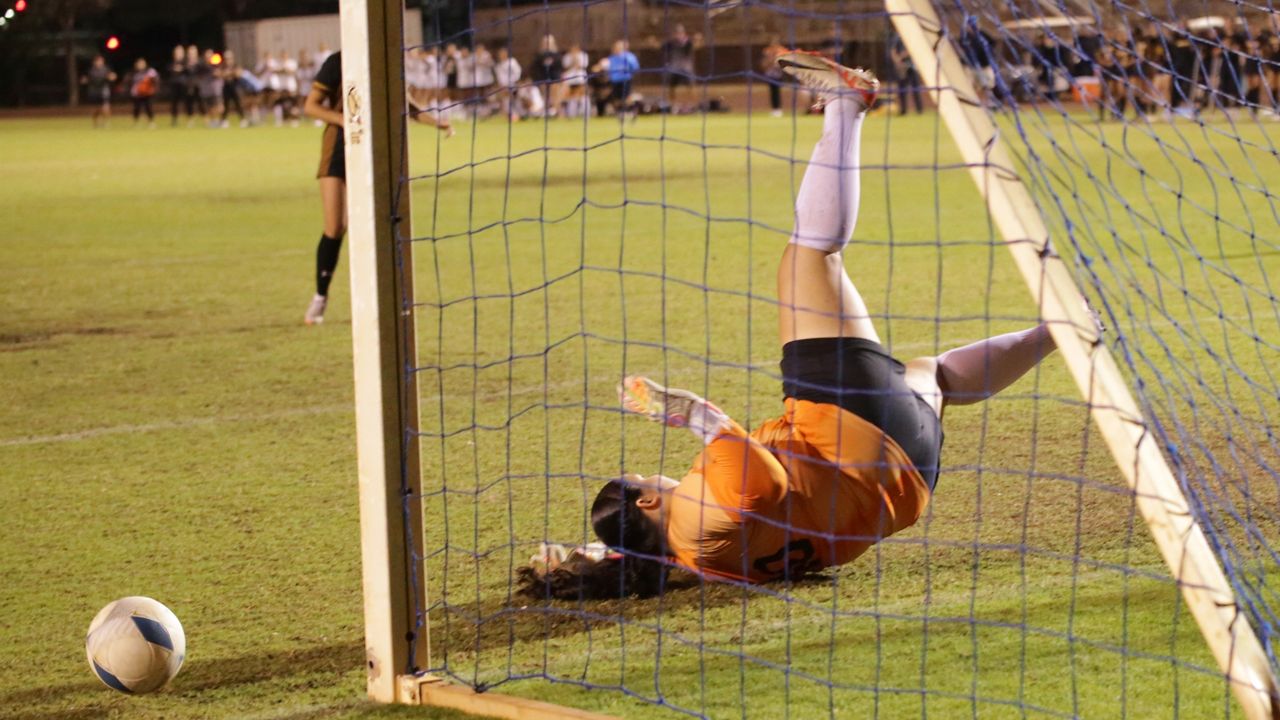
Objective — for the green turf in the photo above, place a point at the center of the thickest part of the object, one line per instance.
(171, 429)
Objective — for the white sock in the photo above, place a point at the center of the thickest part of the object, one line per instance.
(827, 204)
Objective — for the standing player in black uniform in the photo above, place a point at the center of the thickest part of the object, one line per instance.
(324, 103)
(98, 82)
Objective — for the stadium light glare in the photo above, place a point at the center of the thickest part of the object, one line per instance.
(8, 14)
(3, 22)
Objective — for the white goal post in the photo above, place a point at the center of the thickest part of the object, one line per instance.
(1159, 498)
(397, 637)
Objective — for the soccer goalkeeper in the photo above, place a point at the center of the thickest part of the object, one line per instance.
(853, 459)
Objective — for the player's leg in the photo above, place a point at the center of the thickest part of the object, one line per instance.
(975, 372)
(333, 198)
(816, 297)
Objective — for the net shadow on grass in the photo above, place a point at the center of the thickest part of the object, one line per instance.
(532, 619)
(200, 675)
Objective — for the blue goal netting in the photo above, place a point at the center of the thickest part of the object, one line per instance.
(580, 227)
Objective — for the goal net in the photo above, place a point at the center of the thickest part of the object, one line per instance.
(1102, 537)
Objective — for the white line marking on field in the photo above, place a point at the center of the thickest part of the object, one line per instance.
(183, 424)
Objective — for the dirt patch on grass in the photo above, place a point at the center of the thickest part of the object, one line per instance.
(14, 342)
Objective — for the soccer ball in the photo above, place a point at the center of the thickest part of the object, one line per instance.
(135, 645)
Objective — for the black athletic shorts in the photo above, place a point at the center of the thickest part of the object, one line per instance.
(859, 376)
(333, 154)
(676, 77)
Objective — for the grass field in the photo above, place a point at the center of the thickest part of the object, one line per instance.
(171, 428)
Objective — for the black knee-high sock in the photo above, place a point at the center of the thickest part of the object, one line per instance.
(326, 262)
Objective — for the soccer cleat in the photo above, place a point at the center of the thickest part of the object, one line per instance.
(672, 408)
(829, 78)
(315, 311)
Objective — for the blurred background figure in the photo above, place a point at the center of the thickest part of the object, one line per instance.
(677, 69)
(209, 79)
(289, 89)
(449, 67)
(904, 73)
(506, 72)
(621, 68)
(98, 82)
(194, 101)
(415, 76)
(433, 79)
(271, 72)
(575, 66)
(178, 81)
(547, 72)
(483, 87)
(144, 81)
(231, 73)
(978, 50)
(464, 64)
(772, 73)
(306, 73)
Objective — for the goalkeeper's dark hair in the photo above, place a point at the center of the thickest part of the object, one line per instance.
(641, 569)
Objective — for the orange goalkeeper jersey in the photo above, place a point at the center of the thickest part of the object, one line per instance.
(811, 489)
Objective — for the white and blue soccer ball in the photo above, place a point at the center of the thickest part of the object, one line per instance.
(135, 645)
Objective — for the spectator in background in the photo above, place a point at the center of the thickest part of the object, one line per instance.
(143, 84)
(449, 66)
(772, 73)
(601, 89)
(231, 72)
(904, 70)
(677, 68)
(265, 71)
(289, 89)
(1253, 69)
(484, 77)
(97, 84)
(978, 50)
(415, 76)
(1183, 61)
(1051, 60)
(179, 79)
(1271, 77)
(321, 54)
(194, 101)
(833, 47)
(547, 71)
(251, 89)
(465, 65)
(506, 72)
(436, 81)
(621, 68)
(1231, 85)
(210, 81)
(1154, 68)
(306, 75)
(576, 64)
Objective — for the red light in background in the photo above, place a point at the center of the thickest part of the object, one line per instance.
(113, 43)
(20, 5)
